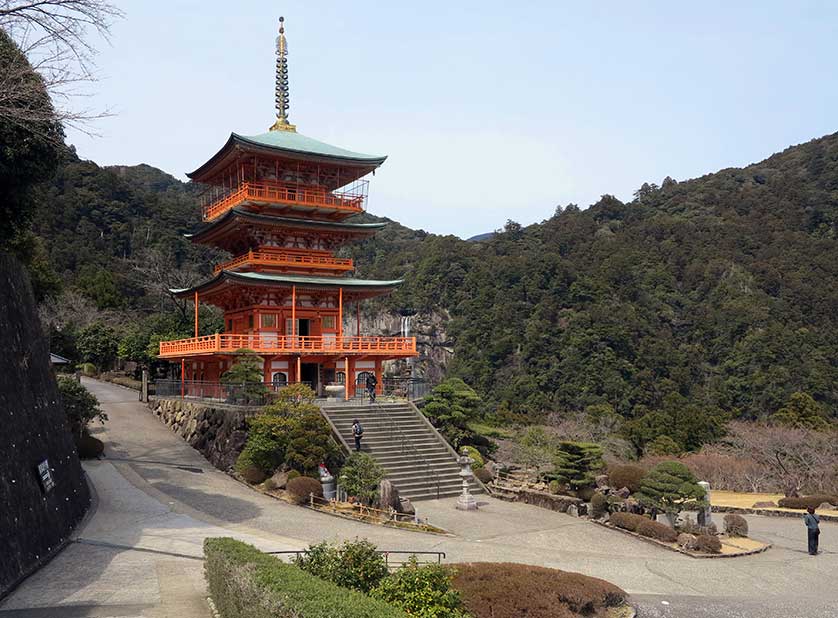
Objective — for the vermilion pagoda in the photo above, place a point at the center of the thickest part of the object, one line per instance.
(279, 203)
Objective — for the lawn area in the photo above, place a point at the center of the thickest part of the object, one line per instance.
(747, 501)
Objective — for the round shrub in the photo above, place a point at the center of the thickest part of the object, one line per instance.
(251, 473)
(483, 475)
(555, 487)
(421, 591)
(804, 502)
(293, 474)
(736, 525)
(506, 590)
(656, 530)
(89, 447)
(599, 505)
(475, 455)
(89, 370)
(354, 564)
(301, 487)
(628, 476)
(708, 544)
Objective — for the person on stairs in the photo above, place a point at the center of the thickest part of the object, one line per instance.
(372, 382)
(357, 433)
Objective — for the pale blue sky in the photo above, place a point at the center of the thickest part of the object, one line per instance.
(488, 111)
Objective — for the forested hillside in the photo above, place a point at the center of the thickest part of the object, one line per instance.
(700, 300)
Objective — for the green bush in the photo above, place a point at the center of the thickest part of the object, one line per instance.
(293, 474)
(88, 369)
(245, 583)
(310, 443)
(735, 525)
(656, 530)
(250, 473)
(670, 487)
(708, 544)
(804, 502)
(80, 406)
(301, 487)
(422, 591)
(354, 564)
(627, 475)
(475, 455)
(555, 487)
(599, 505)
(360, 477)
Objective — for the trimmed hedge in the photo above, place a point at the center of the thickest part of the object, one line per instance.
(804, 502)
(507, 590)
(644, 527)
(657, 530)
(246, 583)
(627, 475)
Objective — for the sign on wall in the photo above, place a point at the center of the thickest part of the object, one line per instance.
(45, 476)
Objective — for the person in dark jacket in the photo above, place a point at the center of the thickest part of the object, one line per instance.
(357, 433)
(813, 530)
(372, 382)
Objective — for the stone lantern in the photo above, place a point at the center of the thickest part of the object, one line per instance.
(466, 501)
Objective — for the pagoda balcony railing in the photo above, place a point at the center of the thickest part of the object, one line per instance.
(350, 201)
(288, 259)
(269, 343)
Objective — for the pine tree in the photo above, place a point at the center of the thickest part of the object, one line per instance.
(670, 487)
(578, 463)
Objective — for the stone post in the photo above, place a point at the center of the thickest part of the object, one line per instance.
(466, 501)
(144, 389)
(705, 514)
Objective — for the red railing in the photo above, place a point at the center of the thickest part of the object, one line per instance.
(288, 258)
(292, 195)
(267, 343)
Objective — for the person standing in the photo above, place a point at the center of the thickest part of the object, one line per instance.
(357, 433)
(813, 530)
(372, 382)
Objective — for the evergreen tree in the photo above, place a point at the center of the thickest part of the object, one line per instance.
(670, 487)
(578, 463)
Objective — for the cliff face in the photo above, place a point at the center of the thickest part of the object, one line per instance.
(43, 492)
(434, 346)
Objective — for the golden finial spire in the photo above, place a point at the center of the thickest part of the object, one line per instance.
(282, 104)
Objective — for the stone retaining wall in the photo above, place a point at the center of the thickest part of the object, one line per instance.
(217, 431)
(553, 502)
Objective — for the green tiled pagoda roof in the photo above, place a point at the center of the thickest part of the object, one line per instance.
(288, 280)
(296, 142)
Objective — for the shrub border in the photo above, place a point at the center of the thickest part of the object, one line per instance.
(683, 551)
(769, 512)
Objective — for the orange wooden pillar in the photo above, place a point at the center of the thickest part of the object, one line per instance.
(340, 315)
(379, 387)
(196, 314)
(300, 369)
(182, 377)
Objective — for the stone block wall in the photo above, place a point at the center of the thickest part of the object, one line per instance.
(217, 431)
(35, 522)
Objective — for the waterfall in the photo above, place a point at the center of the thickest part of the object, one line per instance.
(405, 327)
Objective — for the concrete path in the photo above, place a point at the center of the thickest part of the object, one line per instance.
(159, 498)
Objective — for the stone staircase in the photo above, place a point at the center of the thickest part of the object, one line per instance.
(415, 457)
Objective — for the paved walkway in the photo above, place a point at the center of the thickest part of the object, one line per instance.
(158, 499)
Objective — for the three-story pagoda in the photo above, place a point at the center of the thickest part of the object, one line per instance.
(279, 203)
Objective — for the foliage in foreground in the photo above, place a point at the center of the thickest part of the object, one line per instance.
(507, 590)
(246, 583)
(353, 564)
(422, 591)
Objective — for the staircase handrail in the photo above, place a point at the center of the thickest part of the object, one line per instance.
(405, 442)
(444, 442)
